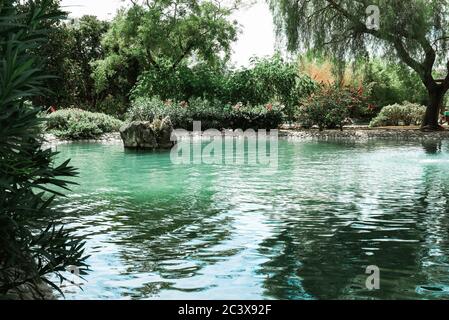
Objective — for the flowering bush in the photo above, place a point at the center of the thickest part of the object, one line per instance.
(399, 114)
(331, 106)
(268, 79)
(212, 114)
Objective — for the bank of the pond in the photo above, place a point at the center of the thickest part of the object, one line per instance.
(363, 134)
(107, 138)
(350, 133)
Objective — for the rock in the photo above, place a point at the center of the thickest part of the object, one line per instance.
(147, 135)
(163, 130)
(138, 134)
(40, 291)
(35, 289)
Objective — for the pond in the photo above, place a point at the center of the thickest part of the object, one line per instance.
(306, 229)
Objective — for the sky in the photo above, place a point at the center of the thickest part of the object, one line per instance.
(256, 23)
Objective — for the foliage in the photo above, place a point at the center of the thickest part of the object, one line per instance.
(29, 251)
(212, 114)
(393, 83)
(70, 49)
(331, 106)
(326, 71)
(399, 114)
(160, 36)
(114, 105)
(80, 124)
(183, 83)
(269, 79)
(413, 32)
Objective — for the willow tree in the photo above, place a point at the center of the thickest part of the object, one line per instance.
(414, 32)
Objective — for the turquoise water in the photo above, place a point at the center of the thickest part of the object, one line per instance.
(304, 230)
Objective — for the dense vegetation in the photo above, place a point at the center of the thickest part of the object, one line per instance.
(179, 51)
(29, 251)
(171, 58)
(412, 32)
(212, 114)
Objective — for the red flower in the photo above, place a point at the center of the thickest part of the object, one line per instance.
(371, 107)
(269, 107)
(360, 91)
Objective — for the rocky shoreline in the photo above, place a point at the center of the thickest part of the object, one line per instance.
(349, 134)
(107, 138)
(365, 134)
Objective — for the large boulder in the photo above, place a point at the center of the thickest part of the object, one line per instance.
(163, 130)
(147, 134)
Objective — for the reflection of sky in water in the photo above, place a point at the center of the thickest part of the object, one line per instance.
(304, 230)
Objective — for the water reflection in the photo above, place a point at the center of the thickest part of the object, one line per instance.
(432, 146)
(304, 230)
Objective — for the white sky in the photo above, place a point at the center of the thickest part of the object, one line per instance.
(257, 37)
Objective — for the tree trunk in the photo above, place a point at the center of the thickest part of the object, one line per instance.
(430, 121)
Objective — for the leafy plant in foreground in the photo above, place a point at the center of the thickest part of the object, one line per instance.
(29, 180)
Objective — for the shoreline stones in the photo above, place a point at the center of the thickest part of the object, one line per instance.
(350, 134)
(107, 138)
(148, 135)
(364, 135)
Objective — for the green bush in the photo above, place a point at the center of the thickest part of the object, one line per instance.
(212, 114)
(267, 80)
(329, 107)
(80, 124)
(393, 83)
(111, 105)
(399, 114)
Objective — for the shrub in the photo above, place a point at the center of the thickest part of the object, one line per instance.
(399, 114)
(270, 79)
(112, 105)
(80, 124)
(267, 116)
(330, 106)
(181, 83)
(32, 252)
(212, 114)
(394, 83)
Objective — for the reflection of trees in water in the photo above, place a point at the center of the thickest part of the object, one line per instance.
(327, 260)
(326, 257)
(432, 146)
(173, 241)
(432, 206)
(319, 248)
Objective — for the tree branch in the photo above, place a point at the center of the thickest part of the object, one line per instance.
(424, 70)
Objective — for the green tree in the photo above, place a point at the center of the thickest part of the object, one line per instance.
(160, 36)
(414, 32)
(29, 179)
(71, 48)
